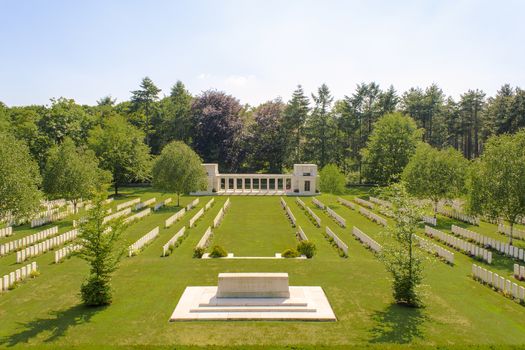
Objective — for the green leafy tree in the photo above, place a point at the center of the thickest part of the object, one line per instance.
(400, 257)
(19, 179)
(176, 121)
(178, 169)
(497, 180)
(267, 139)
(64, 119)
(321, 128)
(73, 174)
(294, 117)
(435, 174)
(146, 100)
(102, 250)
(332, 180)
(390, 147)
(121, 150)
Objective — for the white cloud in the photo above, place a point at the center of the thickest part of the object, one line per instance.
(239, 80)
(204, 76)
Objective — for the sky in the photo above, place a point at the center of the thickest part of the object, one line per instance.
(255, 50)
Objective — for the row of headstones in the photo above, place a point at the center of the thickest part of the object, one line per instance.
(209, 204)
(318, 203)
(6, 231)
(364, 203)
(49, 204)
(515, 232)
(44, 246)
(128, 204)
(118, 214)
(8, 281)
(199, 214)
(301, 236)
(519, 272)
(314, 215)
(172, 241)
(459, 244)
(458, 216)
(373, 216)
(144, 204)
(500, 283)
(430, 220)
(342, 245)
(61, 253)
(142, 241)
(366, 240)
(380, 202)
(502, 247)
(220, 215)
(161, 204)
(305, 207)
(51, 218)
(433, 248)
(8, 247)
(47, 212)
(137, 216)
(196, 217)
(174, 218)
(340, 220)
(192, 204)
(288, 212)
(347, 203)
(205, 239)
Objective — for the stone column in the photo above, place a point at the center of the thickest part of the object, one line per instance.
(226, 183)
(234, 184)
(276, 184)
(243, 184)
(251, 184)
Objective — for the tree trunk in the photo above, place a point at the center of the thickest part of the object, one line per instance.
(178, 199)
(116, 188)
(75, 207)
(435, 209)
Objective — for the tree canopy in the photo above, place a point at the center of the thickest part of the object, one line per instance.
(435, 174)
(121, 150)
(73, 174)
(178, 169)
(331, 179)
(390, 147)
(497, 180)
(19, 179)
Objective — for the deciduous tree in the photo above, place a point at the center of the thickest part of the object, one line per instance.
(497, 180)
(435, 174)
(178, 169)
(73, 174)
(121, 150)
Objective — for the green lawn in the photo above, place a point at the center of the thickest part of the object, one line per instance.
(255, 226)
(46, 311)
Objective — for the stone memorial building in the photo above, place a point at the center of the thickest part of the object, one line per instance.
(303, 181)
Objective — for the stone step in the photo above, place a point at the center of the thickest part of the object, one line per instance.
(253, 302)
(221, 309)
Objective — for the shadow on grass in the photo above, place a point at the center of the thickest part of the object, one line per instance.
(54, 326)
(397, 324)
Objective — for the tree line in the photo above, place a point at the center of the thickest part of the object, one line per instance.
(272, 136)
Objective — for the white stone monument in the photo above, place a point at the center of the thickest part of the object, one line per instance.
(253, 296)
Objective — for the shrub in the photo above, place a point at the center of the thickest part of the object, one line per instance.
(96, 292)
(198, 252)
(218, 252)
(290, 253)
(307, 248)
(332, 180)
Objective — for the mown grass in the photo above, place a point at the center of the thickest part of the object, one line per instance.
(46, 312)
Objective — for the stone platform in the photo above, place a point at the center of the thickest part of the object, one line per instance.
(252, 296)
